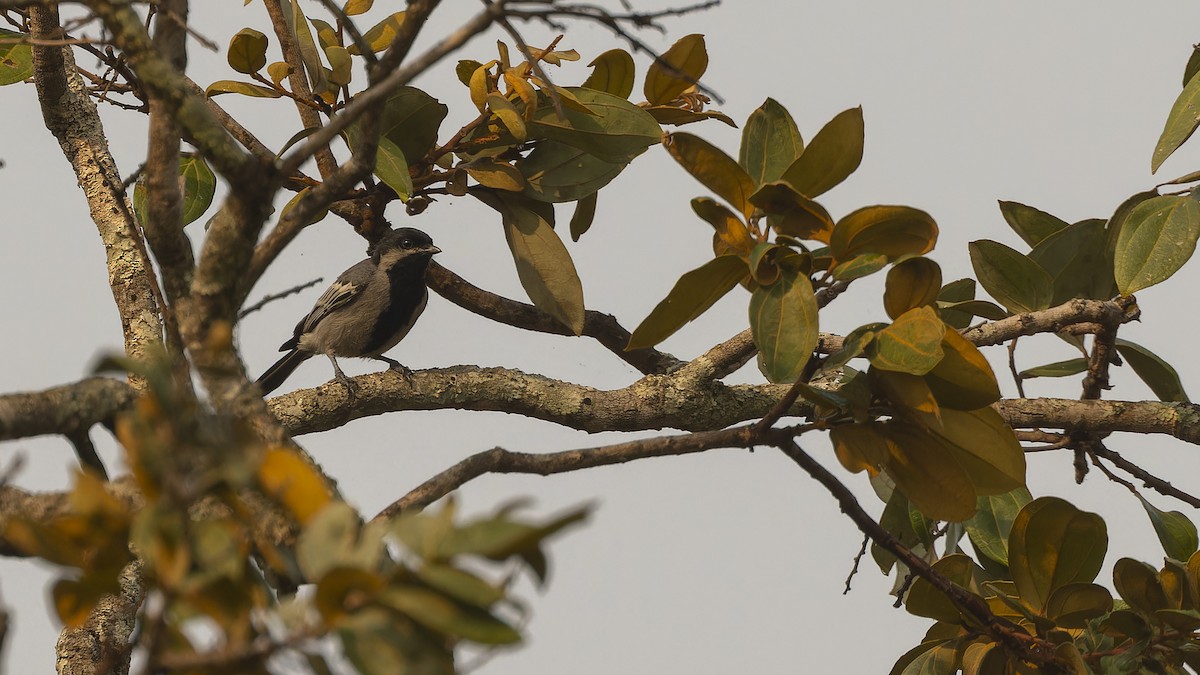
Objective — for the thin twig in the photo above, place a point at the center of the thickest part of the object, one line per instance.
(267, 299)
(862, 551)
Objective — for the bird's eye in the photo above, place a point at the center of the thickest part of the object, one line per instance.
(406, 243)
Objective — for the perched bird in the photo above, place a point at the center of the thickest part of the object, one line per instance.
(369, 309)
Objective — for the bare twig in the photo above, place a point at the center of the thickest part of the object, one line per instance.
(862, 551)
(267, 299)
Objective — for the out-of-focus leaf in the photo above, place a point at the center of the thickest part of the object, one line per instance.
(993, 520)
(292, 482)
(1057, 369)
(581, 220)
(893, 231)
(712, 167)
(677, 70)
(1156, 240)
(834, 153)
(1032, 225)
(380, 36)
(911, 283)
(771, 141)
(244, 88)
(924, 599)
(1138, 585)
(612, 73)
(199, 186)
(793, 214)
(376, 643)
(247, 51)
(437, 612)
(783, 319)
(694, 293)
(1075, 257)
(962, 379)
(1053, 544)
(1176, 532)
(912, 344)
(16, 58)
(556, 172)
(1014, 280)
(1159, 375)
(1181, 123)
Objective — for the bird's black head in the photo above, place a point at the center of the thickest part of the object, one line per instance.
(403, 243)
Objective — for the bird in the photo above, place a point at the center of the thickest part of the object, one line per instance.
(365, 312)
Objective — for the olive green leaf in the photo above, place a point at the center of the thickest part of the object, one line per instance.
(834, 153)
(771, 141)
(1053, 544)
(783, 320)
(712, 167)
(931, 657)
(962, 290)
(860, 446)
(16, 58)
(612, 72)
(199, 186)
(1192, 67)
(729, 228)
(1076, 259)
(1156, 240)
(935, 484)
(962, 379)
(1139, 586)
(391, 167)
(509, 116)
(326, 34)
(556, 172)
(912, 344)
(1057, 369)
(544, 266)
(1014, 280)
(1176, 532)
(669, 114)
(993, 520)
(1116, 222)
(1074, 605)
(853, 346)
(924, 599)
(243, 88)
(985, 447)
(1181, 123)
(615, 130)
(676, 70)
(860, 266)
(380, 36)
(247, 51)
(443, 615)
(309, 52)
(969, 309)
(911, 283)
(893, 231)
(1032, 225)
(581, 220)
(1159, 375)
(694, 293)
(793, 214)
(493, 173)
(340, 65)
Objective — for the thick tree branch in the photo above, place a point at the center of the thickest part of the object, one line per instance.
(1104, 312)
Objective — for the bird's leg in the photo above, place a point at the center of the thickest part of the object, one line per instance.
(350, 385)
(397, 366)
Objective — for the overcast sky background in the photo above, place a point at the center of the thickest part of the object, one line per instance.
(729, 561)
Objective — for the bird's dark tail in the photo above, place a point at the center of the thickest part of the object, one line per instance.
(276, 374)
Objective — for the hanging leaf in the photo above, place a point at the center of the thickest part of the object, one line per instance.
(489, 172)
(612, 73)
(1030, 224)
(199, 186)
(247, 51)
(893, 231)
(834, 153)
(581, 220)
(911, 283)
(729, 228)
(712, 167)
(1053, 544)
(1057, 369)
(691, 296)
(16, 57)
(677, 70)
(962, 290)
(924, 599)
(1014, 280)
(309, 52)
(792, 213)
(962, 379)
(1181, 123)
(392, 168)
(1156, 240)
(933, 482)
(992, 522)
(1176, 532)
(783, 319)
(380, 36)
(1159, 375)
(771, 141)
(985, 447)
(860, 446)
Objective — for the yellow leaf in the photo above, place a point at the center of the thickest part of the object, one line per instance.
(288, 479)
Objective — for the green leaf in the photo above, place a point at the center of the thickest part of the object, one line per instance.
(792, 213)
(1192, 67)
(924, 599)
(691, 296)
(556, 172)
(376, 643)
(437, 612)
(392, 168)
(1030, 224)
(1157, 239)
(783, 319)
(1074, 605)
(1057, 369)
(16, 57)
(963, 379)
(834, 153)
(712, 167)
(1181, 123)
(199, 186)
(985, 447)
(340, 65)
(581, 220)
(1053, 544)
(668, 114)
(932, 481)
(912, 344)
(895, 520)
(928, 658)
(1014, 280)
(612, 73)
(248, 51)
(860, 266)
(992, 522)
(911, 283)
(461, 585)
(970, 309)
(1159, 375)
(411, 119)
(1176, 532)
(615, 131)
(243, 88)
(771, 141)
(1139, 586)
(676, 70)
(310, 54)
(894, 231)
(1076, 258)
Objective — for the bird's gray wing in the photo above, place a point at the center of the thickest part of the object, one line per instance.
(342, 292)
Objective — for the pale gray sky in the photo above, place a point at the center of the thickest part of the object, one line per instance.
(712, 564)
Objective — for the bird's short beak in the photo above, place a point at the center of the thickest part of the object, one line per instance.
(433, 250)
